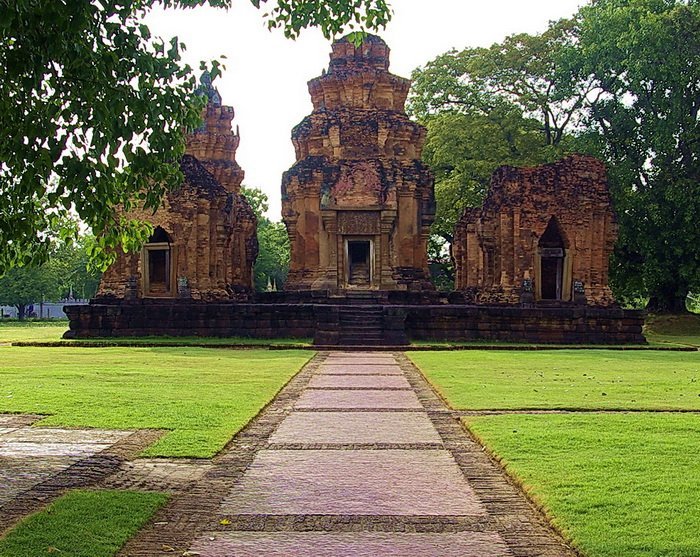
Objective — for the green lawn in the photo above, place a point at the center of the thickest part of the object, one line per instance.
(35, 331)
(616, 484)
(204, 396)
(586, 379)
(82, 524)
(673, 329)
(47, 331)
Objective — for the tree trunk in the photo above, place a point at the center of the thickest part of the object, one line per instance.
(668, 301)
(21, 311)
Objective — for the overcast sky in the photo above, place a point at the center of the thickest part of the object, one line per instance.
(266, 74)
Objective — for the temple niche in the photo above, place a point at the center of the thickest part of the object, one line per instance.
(204, 243)
(358, 203)
(544, 235)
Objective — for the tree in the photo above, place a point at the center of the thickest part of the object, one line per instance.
(643, 56)
(22, 286)
(272, 264)
(65, 272)
(510, 104)
(94, 111)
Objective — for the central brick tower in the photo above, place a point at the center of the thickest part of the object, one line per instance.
(358, 203)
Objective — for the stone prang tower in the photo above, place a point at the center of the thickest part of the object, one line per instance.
(358, 203)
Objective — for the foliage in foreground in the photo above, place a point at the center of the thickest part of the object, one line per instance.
(615, 484)
(94, 111)
(202, 396)
(82, 524)
(564, 379)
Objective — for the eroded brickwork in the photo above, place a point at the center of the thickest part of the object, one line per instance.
(205, 242)
(544, 234)
(358, 204)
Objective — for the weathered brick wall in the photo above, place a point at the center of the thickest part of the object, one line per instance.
(358, 152)
(182, 318)
(496, 247)
(446, 322)
(582, 325)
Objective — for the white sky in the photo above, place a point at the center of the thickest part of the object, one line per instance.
(266, 74)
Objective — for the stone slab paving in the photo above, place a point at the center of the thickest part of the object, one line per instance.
(359, 382)
(38, 464)
(355, 428)
(355, 544)
(30, 456)
(361, 369)
(341, 463)
(317, 399)
(353, 482)
(158, 474)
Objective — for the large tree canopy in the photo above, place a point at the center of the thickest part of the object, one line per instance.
(94, 110)
(620, 81)
(644, 58)
(512, 103)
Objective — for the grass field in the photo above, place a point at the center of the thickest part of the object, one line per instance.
(616, 484)
(564, 379)
(82, 524)
(673, 329)
(48, 331)
(41, 331)
(203, 396)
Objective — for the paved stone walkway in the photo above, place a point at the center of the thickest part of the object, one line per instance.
(357, 456)
(39, 464)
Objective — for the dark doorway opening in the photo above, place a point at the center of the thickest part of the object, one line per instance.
(159, 270)
(359, 268)
(159, 264)
(551, 249)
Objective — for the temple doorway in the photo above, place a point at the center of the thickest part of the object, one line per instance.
(551, 250)
(359, 267)
(158, 280)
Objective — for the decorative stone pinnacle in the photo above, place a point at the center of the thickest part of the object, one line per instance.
(207, 89)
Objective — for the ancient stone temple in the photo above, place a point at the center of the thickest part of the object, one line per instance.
(358, 203)
(544, 235)
(204, 244)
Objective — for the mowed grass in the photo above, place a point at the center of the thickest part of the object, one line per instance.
(564, 379)
(82, 524)
(31, 331)
(203, 396)
(47, 331)
(615, 484)
(673, 329)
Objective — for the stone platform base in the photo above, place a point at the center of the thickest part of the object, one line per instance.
(346, 324)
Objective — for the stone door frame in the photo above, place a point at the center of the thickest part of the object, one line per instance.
(346, 260)
(170, 269)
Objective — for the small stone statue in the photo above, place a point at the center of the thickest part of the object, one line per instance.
(527, 296)
(183, 288)
(131, 290)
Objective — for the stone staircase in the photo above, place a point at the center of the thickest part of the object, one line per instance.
(359, 275)
(361, 325)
